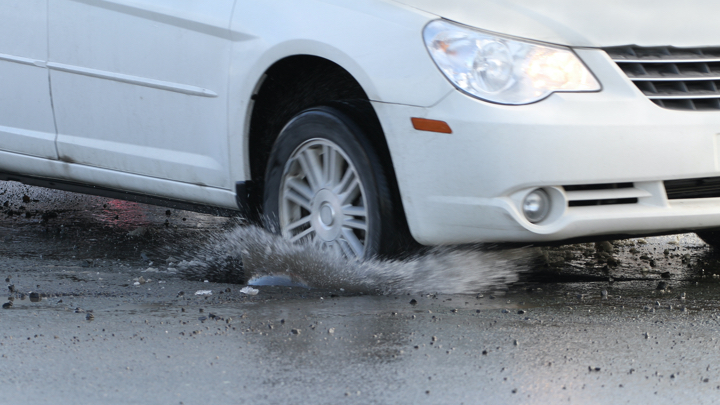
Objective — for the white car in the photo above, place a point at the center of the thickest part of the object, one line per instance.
(353, 122)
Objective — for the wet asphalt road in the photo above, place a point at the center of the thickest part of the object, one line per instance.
(99, 315)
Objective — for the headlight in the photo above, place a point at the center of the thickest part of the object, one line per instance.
(504, 70)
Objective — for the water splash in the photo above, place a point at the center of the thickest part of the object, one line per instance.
(247, 252)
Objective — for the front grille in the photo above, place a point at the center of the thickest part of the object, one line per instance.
(603, 194)
(675, 78)
(708, 187)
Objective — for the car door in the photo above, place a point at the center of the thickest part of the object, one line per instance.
(140, 86)
(26, 116)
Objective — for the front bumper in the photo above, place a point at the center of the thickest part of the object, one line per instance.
(468, 186)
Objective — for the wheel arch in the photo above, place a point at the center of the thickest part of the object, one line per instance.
(293, 84)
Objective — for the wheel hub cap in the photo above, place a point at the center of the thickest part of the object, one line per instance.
(327, 215)
(326, 205)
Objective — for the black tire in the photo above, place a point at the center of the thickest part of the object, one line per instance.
(316, 134)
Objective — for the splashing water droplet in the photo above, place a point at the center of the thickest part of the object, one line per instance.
(249, 252)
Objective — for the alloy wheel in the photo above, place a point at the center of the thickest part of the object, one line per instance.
(322, 199)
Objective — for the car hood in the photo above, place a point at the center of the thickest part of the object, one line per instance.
(598, 23)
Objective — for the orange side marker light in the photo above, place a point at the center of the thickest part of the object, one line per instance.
(424, 124)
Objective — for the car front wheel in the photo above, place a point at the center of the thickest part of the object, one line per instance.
(325, 185)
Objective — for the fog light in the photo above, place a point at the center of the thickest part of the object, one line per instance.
(536, 206)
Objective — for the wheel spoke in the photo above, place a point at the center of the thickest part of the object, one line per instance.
(345, 249)
(347, 178)
(311, 166)
(298, 199)
(353, 242)
(333, 166)
(352, 193)
(302, 234)
(326, 149)
(328, 157)
(298, 223)
(298, 186)
(336, 247)
(356, 224)
(354, 211)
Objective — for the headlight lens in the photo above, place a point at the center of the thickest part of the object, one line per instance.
(504, 70)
